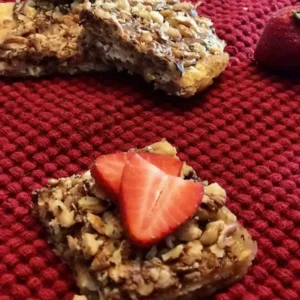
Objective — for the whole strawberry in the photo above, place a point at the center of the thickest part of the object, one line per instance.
(279, 45)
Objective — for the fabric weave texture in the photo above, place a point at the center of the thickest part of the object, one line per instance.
(243, 132)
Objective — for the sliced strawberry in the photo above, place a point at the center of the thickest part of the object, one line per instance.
(170, 165)
(153, 203)
(107, 172)
(108, 169)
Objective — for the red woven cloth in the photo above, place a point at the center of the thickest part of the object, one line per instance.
(244, 132)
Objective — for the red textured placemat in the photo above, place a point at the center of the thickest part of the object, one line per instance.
(244, 133)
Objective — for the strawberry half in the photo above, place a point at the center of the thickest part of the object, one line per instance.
(170, 165)
(108, 169)
(107, 172)
(154, 203)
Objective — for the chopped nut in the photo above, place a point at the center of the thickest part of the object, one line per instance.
(125, 271)
(100, 262)
(83, 278)
(144, 14)
(114, 273)
(57, 194)
(91, 204)
(156, 17)
(246, 254)
(206, 215)
(68, 182)
(6, 13)
(188, 22)
(112, 226)
(226, 215)
(186, 31)
(183, 6)
(165, 279)
(214, 193)
(64, 217)
(73, 243)
(167, 13)
(217, 251)
(117, 255)
(194, 249)
(146, 38)
(154, 274)
(145, 289)
(188, 63)
(198, 48)
(53, 182)
(194, 276)
(173, 254)
(224, 238)
(102, 13)
(90, 244)
(189, 231)
(178, 54)
(108, 6)
(212, 232)
(123, 4)
(96, 223)
(172, 1)
(174, 34)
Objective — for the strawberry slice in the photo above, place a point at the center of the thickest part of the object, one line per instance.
(107, 172)
(170, 165)
(153, 203)
(108, 169)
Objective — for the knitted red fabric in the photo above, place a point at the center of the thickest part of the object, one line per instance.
(244, 132)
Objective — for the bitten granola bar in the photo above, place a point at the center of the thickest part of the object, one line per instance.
(38, 38)
(209, 251)
(164, 41)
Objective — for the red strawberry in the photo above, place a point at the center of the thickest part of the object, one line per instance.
(108, 169)
(107, 172)
(279, 45)
(169, 165)
(153, 203)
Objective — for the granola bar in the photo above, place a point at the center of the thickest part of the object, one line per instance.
(208, 252)
(164, 41)
(38, 38)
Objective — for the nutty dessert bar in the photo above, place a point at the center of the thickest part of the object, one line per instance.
(165, 41)
(38, 38)
(207, 252)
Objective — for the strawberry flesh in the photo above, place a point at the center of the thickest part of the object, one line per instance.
(108, 169)
(107, 172)
(170, 165)
(154, 203)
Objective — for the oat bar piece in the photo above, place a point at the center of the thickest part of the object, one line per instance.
(38, 38)
(208, 252)
(165, 41)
